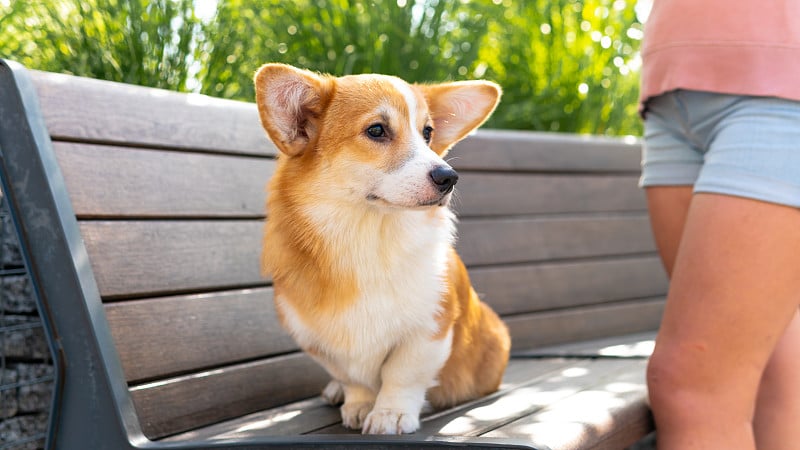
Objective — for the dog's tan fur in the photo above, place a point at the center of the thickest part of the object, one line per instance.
(359, 242)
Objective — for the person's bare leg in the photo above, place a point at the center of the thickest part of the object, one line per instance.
(668, 207)
(778, 402)
(734, 290)
(778, 405)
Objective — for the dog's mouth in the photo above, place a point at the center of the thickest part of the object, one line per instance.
(442, 200)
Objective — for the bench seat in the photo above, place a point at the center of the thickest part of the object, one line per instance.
(554, 397)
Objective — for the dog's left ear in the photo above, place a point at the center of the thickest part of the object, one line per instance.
(458, 108)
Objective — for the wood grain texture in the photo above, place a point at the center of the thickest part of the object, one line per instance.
(536, 396)
(179, 404)
(316, 417)
(526, 239)
(608, 412)
(300, 417)
(492, 194)
(139, 257)
(635, 345)
(136, 258)
(525, 288)
(166, 336)
(541, 329)
(83, 109)
(529, 386)
(112, 182)
(525, 151)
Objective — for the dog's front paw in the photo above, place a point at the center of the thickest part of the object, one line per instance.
(390, 421)
(333, 393)
(354, 413)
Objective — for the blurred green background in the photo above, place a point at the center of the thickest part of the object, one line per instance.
(565, 65)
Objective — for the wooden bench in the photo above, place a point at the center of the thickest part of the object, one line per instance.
(140, 214)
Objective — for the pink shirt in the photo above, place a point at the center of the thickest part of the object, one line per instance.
(745, 47)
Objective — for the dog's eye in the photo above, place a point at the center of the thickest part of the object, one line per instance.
(376, 131)
(427, 133)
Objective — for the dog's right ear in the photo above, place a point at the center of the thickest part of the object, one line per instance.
(290, 103)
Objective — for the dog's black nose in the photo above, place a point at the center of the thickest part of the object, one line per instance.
(444, 178)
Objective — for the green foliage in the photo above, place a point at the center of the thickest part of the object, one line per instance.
(143, 42)
(565, 65)
(418, 42)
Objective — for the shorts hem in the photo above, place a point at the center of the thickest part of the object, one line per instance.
(743, 184)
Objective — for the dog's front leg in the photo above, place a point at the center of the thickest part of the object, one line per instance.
(406, 375)
(358, 402)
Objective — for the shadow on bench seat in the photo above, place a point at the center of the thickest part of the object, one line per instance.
(140, 214)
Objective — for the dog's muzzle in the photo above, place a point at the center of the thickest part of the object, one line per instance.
(444, 178)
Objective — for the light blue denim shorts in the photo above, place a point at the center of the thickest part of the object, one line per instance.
(726, 144)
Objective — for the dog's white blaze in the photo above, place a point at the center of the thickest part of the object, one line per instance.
(410, 98)
(410, 184)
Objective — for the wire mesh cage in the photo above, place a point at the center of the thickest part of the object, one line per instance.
(26, 365)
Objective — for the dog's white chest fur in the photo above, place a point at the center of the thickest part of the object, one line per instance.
(401, 265)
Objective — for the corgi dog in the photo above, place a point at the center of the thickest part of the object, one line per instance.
(359, 241)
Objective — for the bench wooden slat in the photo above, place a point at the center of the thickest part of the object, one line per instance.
(152, 257)
(137, 258)
(112, 181)
(82, 109)
(182, 403)
(145, 329)
(635, 345)
(509, 150)
(315, 416)
(534, 287)
(508, 194)
(109, 181)
(547, 328)
(171, 335)
(549, 381)
(530, 398)
(608, 414)
(524, 239)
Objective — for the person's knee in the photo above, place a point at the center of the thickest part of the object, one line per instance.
(677, 382)
(664, 380)
(685, 385)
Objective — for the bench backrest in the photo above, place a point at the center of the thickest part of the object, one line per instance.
(151, 227)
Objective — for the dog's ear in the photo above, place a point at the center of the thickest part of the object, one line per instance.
(458, 108)
(290, 103)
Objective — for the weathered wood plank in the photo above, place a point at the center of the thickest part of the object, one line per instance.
(635, 345)
(491, 194)
(315, 416)
(83, 109)
(535, 287)
(179, 404)
(172, 335)
(516, 151)
(108, 181)
(610, 413)
(136, 258)
(529, 398)
(295, 418)
(584, 323)
(525, 239)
